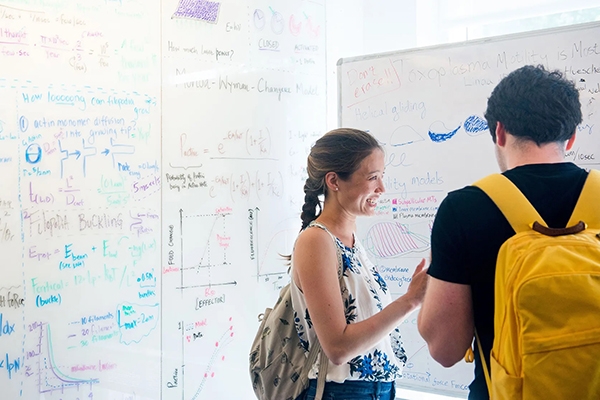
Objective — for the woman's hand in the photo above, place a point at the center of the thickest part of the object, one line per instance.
(418, 285)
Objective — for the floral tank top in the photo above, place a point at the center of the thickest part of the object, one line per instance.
(365, 293)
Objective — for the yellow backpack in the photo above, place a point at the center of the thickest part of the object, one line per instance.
(547, 299)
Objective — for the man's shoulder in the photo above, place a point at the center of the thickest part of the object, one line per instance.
(465, 196)
(466, 207)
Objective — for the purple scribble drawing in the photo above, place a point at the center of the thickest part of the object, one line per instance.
(198, 9)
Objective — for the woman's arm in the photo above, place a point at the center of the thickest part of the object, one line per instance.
(316, 273)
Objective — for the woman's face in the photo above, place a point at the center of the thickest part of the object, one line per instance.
(359, 194)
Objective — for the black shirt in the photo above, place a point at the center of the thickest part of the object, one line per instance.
(469, 229)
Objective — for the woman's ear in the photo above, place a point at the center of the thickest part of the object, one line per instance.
(331, 181)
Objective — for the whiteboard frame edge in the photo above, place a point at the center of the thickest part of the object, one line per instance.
(339, 65)
(432, 390)
(415, 50)
(465, 43)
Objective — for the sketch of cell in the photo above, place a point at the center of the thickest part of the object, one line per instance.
(314, 30)
(198, 9)
(277, 23)
(393, 239)
(475, 125)
(438, 132)
(404, 135)
(259, 19)
(295, 26)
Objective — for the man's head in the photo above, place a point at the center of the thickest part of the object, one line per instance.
(536, 105)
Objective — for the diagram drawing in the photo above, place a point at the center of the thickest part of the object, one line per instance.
(205, 248)
(404, 135)
(393, 239)
(271, 265)
(438, 132)
(217, 356)
(50, 376)
(475, 125)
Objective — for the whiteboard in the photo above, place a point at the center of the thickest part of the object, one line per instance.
(426, 107)
(236, 133)
(152, 161)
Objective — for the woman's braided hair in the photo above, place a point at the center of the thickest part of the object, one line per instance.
(340, 151)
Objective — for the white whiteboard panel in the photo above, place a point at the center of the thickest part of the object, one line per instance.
(79, 199)
(426, 106)
(151, 168)
(243, 99)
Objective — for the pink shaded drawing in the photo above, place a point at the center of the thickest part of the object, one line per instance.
(392, 239)
(198, 9)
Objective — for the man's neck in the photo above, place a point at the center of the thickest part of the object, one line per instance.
(527, 152)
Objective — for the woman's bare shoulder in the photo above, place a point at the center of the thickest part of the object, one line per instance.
(314, 236)
(312, 242)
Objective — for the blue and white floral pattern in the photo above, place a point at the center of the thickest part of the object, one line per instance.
(350, 309)
(364, 293)
(379, 280)
(398, 347)
(375, 367)
(349, 261)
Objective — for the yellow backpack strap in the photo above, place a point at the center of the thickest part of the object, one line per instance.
(486, 371)
(588, 205)
(514, 205)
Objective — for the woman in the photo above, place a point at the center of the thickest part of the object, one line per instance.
(357, 325)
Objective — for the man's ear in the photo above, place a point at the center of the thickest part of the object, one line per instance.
(570, 141)
(500, 134)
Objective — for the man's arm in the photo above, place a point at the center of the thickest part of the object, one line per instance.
(446, 320)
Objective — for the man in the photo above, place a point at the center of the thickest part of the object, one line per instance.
(532, 115)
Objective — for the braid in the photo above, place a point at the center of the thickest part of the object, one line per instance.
(311, 202)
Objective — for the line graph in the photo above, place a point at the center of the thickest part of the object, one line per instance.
(50, 376)
(219, 346)
(270, 261)
(205, 245)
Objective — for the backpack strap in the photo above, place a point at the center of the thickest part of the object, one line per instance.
(486, 371)
(514, 205)
(587, 208)
(323, 364)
